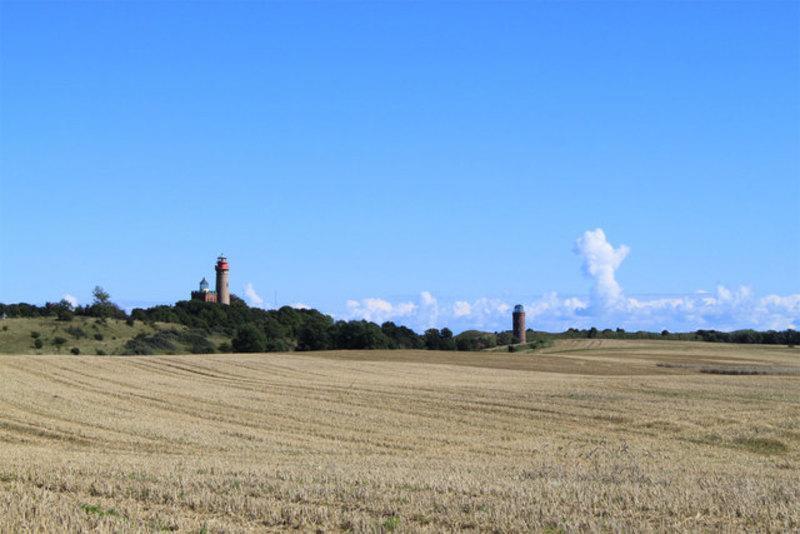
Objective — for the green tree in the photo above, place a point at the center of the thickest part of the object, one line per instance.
(402, 337)
(439, 340)
(101, 296)
(314, 335)
(249, 339)
(432, 338)
(447, 342)
(359, 335)
(102, 306)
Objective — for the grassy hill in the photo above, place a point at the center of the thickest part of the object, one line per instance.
(89, 335)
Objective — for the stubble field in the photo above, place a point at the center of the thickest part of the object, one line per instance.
(585, 436)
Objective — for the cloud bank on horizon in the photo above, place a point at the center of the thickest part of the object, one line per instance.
(607, 306)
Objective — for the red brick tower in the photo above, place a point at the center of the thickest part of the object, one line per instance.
(518, 323)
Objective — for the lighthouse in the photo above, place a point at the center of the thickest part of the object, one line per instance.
(223, 293)
(518, 323)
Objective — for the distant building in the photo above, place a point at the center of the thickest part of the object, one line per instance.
(222, 294)
(518, 323)
(203, 293)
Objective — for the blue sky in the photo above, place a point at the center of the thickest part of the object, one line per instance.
(429, 163)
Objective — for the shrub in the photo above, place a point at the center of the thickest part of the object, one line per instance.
(198, 344)
(35, 334)
(540, 343)
(75, 350)
(225, 347)
(65, 315)
(505, 338)
(76, 332)
(278, 345)
(5, 328)
(101, 352)
(130, 321)
(58, 341)
(137, 347)
(475, 340)
(159, 343)
(38, 343)
(98, 336)
(202, 346)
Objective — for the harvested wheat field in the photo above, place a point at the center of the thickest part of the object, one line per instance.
(585, 436)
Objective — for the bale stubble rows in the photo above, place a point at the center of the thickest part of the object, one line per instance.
(583, 437)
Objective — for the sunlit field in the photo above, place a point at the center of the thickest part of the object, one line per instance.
(586, 435)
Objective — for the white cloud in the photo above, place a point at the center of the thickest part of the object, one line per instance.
(405, 308)
(550, 312)
(485, 311)
(253, 298)
(481, 312)
(600, 261)
(779, 312)
(461, 308)
(420, 315)
(607, 306)
(71, 299)
(574, 304)
(789, 303)
(300, 306)
(429, 311)
(727, 309)
(378, 310)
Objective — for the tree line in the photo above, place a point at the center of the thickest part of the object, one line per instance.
(286, 329)
(746, 336)
(63, 310)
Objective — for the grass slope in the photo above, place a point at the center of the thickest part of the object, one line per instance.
(605, 439)
(15, 335)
